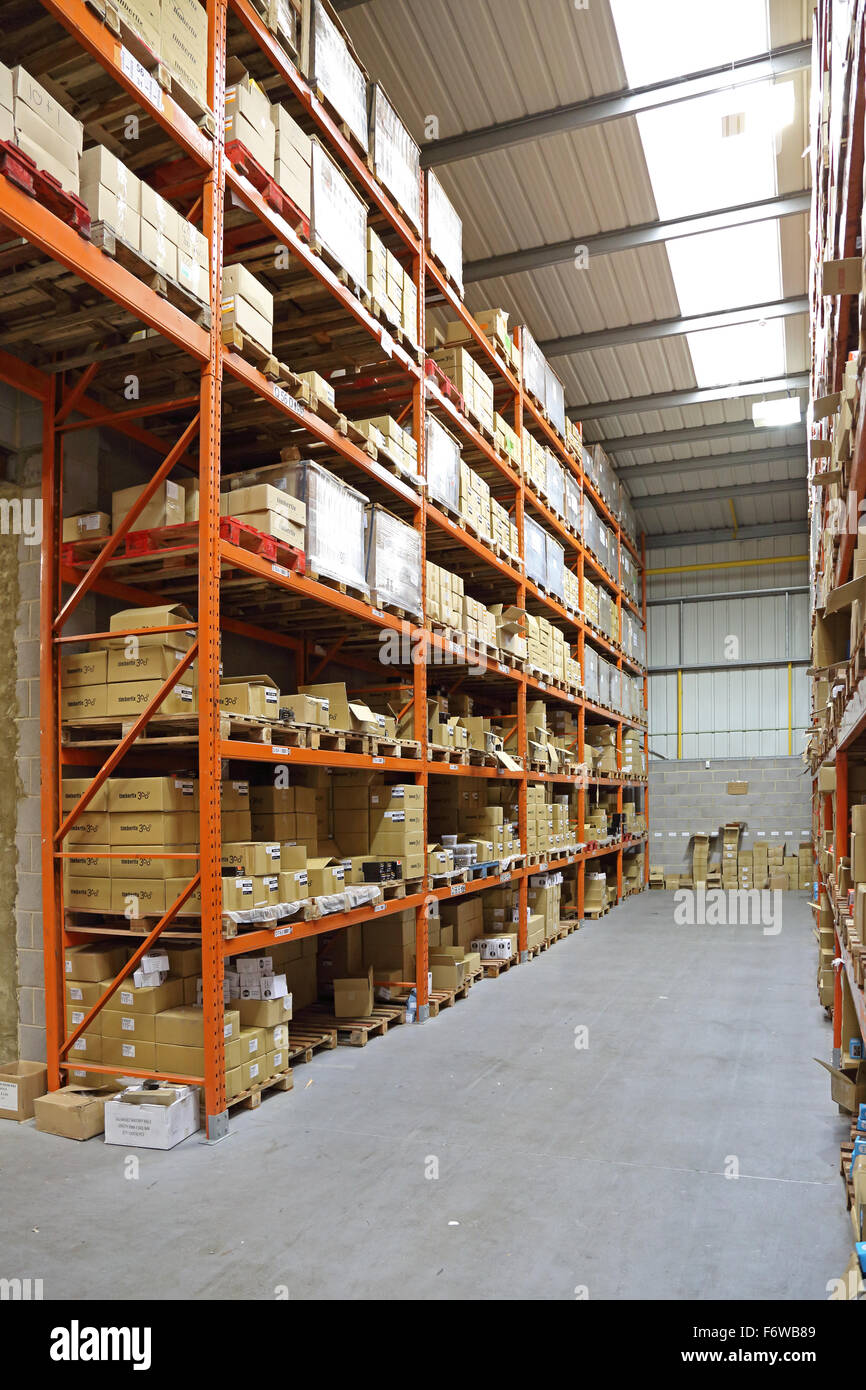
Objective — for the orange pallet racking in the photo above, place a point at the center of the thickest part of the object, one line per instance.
(209, 402)
(840, 743)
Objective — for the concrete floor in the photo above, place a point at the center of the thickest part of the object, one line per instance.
(558, 1168)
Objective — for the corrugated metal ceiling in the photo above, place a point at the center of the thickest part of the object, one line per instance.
(469, 66)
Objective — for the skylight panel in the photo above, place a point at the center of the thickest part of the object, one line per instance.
(743, 352)
(671, 37)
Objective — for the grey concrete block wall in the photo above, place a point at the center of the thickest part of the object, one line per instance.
(685, 796)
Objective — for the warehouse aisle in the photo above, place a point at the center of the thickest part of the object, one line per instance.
(560, 1167)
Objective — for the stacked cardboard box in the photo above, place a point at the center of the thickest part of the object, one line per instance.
(391, 439)
(700, 857)
(510, 630)
(730, 846)
(44, 129)
(590, 602)
(376, 824)
(118, 676)
(571, 593)
(292, 158)
(268, 509)
(112, 193)
(633, 758)
(471, 381)
(247, 305)
(506, 439)
(503, 530)
(444, 597)
(475, 501)
(493, 322)
(248, 117)
(183, 45)
(393, 290)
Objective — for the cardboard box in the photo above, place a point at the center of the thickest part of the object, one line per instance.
(73, 1112)
(265, 1013)
(145, 999)
(21, 1083)
(86, 526)
(262, 498)
(29, 92)
(183, 45)
(94, 963)
(147, 796)
(127, 699)
(247, 303)
(78, 669)
(150, 1119)
(258, 696)
(183, 1025)
(84, 702)
(165, 508)
(353, 998)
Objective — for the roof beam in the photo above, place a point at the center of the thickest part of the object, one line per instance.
(614, 105)
(673, 328)
(672, 540)
(710, 463)
(667, 438)
(676, 400)
(628, 238)
(718, 494)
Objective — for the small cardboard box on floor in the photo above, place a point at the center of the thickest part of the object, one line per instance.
(21, 1083)
(73, 1112)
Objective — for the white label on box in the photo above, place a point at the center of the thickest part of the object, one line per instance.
(254, 1044)
(143, 80)
(8, 1095)
(128, 1049)
(76, 993)
(80, 1045)
(278, 1059)
(254, 1069)
(128, 1025)
(126, 996)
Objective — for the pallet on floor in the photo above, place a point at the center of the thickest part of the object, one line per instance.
(351, 1032)
(252, 1098)
(304, 1042)
(494, 968)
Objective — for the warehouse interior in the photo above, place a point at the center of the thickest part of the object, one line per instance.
(430, 475)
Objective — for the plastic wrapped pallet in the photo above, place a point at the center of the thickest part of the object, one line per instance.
(443, 465)
(608, 549)
(573, 504)
(614, 676)
(335, 522)
(393, 561)
(338, 218)
(590, 673)
(535, 544)
(334, 70)
(554, 399)
(534, 378)
(555, 484)
(444, 230)
(603, 681)
(396, 157)
(591, 527)
(555, 565)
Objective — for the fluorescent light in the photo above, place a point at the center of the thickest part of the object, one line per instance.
(774, 415)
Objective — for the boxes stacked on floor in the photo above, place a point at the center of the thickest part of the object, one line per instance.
(700, 858)
(544, 897)
(730, 850)
(43, 128)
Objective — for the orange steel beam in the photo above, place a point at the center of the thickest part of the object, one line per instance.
(78, 390)
(329, 656)
(130, 965)
(29, 219)
(209, 555)
(140, 412)
(23, 377)
(102, 45)
(124, 632)
(128, 522)
(52, 893)
(127, 741)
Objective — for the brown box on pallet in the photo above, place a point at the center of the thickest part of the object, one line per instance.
(84, 702)
(94, 963)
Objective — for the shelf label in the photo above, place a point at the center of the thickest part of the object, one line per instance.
(280, 751)
(282, 931)
(503, 668)
(387, 344)
(288, 401)
(457, 889)
(377, 612)
(505, 878)
(378, 760)
(143, 80)
(543, 866)
(380, 907)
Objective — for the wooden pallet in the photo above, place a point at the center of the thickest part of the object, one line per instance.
(332, 262)
(171, 542)
(273, 194)
(342, 587)
(593, 913)
(252, 1099)
(25, 173)
(351, 1032)
(304, 1042)
(112, 244)
(240, 342)
(161, 729)
(494, 968)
